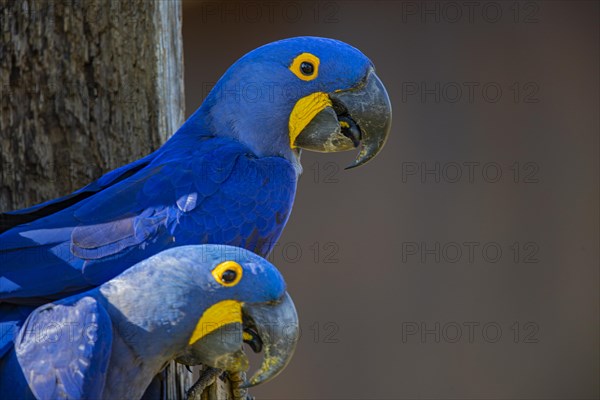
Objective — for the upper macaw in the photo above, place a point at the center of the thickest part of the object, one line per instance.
(194, 304)
(227, 176)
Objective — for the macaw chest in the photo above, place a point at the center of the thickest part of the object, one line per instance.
(249, 211)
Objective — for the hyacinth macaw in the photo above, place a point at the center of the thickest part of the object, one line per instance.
(194, 304)
(227, 176)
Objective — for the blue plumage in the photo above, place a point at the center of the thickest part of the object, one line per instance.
(203, 191)
(227, 176)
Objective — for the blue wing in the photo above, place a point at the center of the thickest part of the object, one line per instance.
(205, 190)
(63, 349)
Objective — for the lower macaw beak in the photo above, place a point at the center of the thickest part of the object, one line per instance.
(274, 329)
(343, 120)
(271, 328)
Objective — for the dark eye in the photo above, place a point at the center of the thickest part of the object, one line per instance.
(228, 276)
(228, 273)
(307, 68)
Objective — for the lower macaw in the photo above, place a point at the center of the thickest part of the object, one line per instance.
(194, 304)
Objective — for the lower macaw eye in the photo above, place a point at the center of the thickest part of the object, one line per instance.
(228, 273)
(228, 276)
(307, 68)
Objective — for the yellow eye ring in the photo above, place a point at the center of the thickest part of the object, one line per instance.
(306, 66)
(228, 273)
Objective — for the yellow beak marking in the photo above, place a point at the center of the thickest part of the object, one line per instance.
(220, 314)
(304, 111)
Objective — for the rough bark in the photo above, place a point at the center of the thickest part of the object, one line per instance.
(86, 86)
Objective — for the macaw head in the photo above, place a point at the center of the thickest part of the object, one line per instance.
(199, 304)
(301, 93)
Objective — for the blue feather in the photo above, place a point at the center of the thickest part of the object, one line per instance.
(62, 351)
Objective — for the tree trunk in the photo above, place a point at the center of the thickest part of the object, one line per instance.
(86, 86)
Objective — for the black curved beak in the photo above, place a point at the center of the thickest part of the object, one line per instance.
(271, 328)
(360, 117)
(274, 329)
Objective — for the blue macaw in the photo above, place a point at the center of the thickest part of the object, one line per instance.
(227, 176)
(194, 304)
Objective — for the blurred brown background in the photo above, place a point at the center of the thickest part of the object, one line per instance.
(462, 263)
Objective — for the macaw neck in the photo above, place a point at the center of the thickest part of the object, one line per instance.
(128, 375)
(265, 134)
(154, 322)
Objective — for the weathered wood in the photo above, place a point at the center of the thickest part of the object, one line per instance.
(86, 86)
